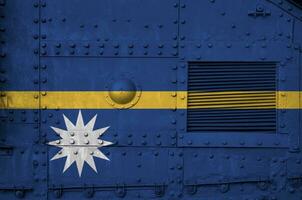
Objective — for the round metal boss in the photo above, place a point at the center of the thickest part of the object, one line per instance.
(123, 93)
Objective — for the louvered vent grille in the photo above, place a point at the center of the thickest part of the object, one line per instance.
(231, 97)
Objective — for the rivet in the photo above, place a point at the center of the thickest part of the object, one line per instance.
(20, 194)
(43, 52)
(36, 81)
(36, 51)
(72, 45)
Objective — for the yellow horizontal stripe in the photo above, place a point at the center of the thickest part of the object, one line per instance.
(97, 100)
(152, 100)
(19, 100)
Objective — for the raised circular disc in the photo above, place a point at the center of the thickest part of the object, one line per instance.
(123, 93)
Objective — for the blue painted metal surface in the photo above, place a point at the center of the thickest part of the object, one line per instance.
(74, 45)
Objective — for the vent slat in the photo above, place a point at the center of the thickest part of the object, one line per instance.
(230, 115)
(231, 97)
(198, 117)
(221, 99)
(229, 111)
(261, 129)
(228, 83)
(228, 74)
(239, 79)
(231, 71)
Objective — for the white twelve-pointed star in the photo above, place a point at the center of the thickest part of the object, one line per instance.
(80, 143)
